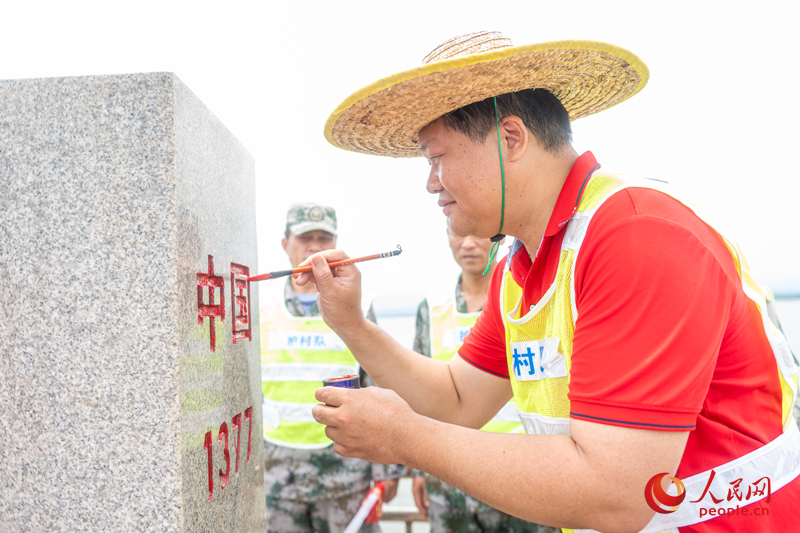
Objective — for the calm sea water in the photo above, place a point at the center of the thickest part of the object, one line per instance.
(789, 316)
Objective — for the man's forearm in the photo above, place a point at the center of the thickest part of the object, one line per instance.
(546, 479)
(433, 388)
(424, 383)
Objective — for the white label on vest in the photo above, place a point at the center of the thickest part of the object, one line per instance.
(305, 340)
(454, 337)
(540, 359)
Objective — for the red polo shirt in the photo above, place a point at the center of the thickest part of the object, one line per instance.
(665, 337)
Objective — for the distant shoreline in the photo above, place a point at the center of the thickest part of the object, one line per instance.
(408, 310)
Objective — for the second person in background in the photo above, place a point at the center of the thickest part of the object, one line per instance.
(310, 489)
(444, 318)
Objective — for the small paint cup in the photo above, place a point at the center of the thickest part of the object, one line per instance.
(346, 382)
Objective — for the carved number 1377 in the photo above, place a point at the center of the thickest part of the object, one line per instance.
(236, 424)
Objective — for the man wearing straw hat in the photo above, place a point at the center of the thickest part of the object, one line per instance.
(632, 335)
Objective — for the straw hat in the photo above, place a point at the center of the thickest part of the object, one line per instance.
(385, 118)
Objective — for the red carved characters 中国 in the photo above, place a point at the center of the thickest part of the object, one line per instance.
(240, 303)
(210, 310)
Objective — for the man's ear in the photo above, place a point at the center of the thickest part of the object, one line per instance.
(285, 244)
(514, 137)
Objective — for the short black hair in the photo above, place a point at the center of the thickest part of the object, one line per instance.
(540, 111)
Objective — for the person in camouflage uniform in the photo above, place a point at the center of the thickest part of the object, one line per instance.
(448, 508)
(422, 331)
(316, 490)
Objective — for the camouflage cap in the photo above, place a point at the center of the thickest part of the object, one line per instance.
(303, 218)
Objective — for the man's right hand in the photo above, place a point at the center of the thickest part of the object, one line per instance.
(339, 297)
(454, 392)
(420, 495)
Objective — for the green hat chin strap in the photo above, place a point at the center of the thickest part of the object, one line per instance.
(499, 237)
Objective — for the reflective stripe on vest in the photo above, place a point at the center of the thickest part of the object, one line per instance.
(302, 371)
(539, 354)
(779, 460)
(291, 411)
(297, 353)
(448, 327)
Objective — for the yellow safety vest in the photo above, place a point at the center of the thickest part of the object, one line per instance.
(539, 355)
(297, 353)
(447, 328)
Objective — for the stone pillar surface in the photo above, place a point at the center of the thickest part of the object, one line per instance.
(116, 195)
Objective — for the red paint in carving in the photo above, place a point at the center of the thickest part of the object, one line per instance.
(207, 446)
(236, 424)
(248, 415)
(240, 281)
(223, 478)
(210, 310)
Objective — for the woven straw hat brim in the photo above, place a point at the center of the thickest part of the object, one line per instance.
(385, 117)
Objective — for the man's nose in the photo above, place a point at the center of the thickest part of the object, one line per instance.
(433, 185)
(469, 242)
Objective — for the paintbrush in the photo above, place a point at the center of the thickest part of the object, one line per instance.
(283, 273)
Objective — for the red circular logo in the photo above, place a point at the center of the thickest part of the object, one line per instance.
(658, 499)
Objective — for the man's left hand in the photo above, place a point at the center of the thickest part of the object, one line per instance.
(365, 423)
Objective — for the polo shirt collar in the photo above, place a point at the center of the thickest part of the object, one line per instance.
(567, 203)
(571, 192)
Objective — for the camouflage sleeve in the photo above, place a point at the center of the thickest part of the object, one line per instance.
(364, 378)
(422, 336)
(380, 472)
(367, 381)
(422, 342)
(371, 315)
